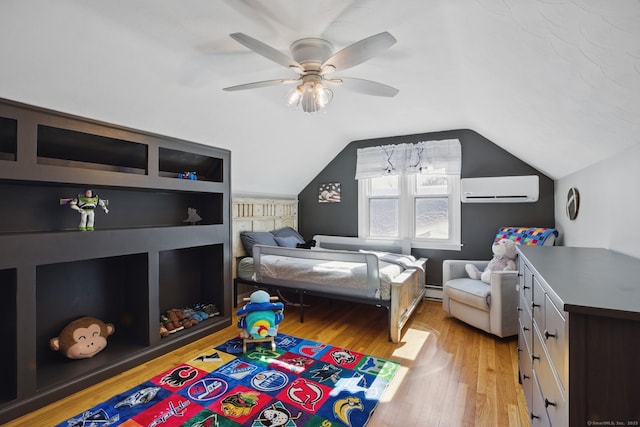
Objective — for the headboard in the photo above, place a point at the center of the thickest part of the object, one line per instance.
(260, 214)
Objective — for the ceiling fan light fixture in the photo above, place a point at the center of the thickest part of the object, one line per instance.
(292, 99)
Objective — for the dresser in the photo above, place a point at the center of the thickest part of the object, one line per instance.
(579, 336)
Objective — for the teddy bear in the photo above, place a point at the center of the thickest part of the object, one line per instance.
(504, 255)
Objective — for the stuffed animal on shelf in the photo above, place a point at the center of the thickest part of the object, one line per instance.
(504, 255)
(83, 338)
(259, 318)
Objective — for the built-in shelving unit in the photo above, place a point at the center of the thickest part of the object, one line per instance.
(142, 259)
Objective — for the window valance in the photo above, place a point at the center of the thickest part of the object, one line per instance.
(442, 157)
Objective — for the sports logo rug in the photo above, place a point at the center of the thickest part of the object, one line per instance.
(301, 383)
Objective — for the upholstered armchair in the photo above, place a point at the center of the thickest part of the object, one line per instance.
(487, 306)
(491, 307)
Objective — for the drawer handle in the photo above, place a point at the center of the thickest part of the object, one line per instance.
(533, 417)
(526, 377)
(518, 308)
(534, 357)
(548, 403)
(547, 335)
(524, 328)
(534, 305)
(526, 287)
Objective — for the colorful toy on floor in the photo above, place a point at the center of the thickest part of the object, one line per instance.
(259, 318)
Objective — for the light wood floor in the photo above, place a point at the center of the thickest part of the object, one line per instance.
(451, 375)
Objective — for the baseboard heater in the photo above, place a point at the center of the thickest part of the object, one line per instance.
(500, 189)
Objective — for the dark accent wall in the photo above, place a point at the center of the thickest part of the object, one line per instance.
(480, 221)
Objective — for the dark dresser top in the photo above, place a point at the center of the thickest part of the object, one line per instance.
(590, 281)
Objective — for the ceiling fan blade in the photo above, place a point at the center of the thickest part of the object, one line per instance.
(366, 87)
(358, 52)
(267, 51)
(263, 83)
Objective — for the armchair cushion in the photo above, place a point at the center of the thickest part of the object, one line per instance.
(475, 293)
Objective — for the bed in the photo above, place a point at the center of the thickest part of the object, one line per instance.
(379, 278)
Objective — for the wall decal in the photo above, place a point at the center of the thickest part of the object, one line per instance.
(573, 203)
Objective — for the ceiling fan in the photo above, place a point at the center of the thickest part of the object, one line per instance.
(313, 59)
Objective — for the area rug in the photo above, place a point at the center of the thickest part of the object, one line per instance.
(300, 383)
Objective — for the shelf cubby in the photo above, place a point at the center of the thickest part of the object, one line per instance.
(173, 163)
(8, 138)
(66, 147)
(8, 359)
(114, 290)
(191, 276)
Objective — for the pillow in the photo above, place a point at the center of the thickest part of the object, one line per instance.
(288, 242)
(250, 238)
(288, 232)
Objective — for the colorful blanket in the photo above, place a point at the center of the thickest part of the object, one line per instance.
(301, 383)
(533, 236)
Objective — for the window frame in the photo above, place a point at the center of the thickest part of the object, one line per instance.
(406, 214)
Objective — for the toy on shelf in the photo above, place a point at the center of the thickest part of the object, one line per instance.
(83, 338)
(188, 175)
(259, 319)
(86, 205)
(192, 216)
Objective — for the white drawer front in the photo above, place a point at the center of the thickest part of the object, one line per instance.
(537, 306)
(526, 327)
(526, 284)
(524, 364)
(555, 338)
(553, 398)
(538, 414)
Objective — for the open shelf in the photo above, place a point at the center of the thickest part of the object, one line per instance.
(173, 163)
(8, 138)
(35, 207)
(148, 254)
(8, 359)
(65, 147)
(114, 290)
(192, 276)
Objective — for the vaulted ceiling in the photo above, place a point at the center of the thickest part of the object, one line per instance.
(554, 82)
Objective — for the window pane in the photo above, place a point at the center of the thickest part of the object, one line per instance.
(432, 218)
(383, 217)
(385, 186)
(431, 184)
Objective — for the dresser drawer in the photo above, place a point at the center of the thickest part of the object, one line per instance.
(526, 327)
(524, 366)
(537, 306)
(526, 283)
(553, 396)
(537, 412)
(555, 339)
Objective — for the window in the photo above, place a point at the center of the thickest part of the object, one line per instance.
(421, 209)
(413, 203)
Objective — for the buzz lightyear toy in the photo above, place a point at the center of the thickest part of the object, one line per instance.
(86, 205)
(260, 317)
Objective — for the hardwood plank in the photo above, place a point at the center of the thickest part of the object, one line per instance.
(452, 374)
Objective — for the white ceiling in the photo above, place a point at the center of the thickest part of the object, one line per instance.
(554, 82)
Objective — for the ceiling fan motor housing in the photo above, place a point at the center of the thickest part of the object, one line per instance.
(311, 52)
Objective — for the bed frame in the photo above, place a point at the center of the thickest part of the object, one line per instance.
(261, 214)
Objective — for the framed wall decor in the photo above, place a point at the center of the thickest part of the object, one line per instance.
(329, 193)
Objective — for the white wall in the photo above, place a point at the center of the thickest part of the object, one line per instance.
(609, 205)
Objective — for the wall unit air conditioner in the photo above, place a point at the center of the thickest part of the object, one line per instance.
(500, 189)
